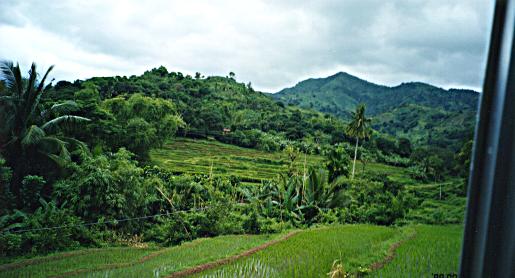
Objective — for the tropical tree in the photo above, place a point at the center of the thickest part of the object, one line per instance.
(358, 128)
(28, 130)
(337, 162)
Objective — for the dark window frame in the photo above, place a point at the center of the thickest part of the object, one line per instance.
(489, 239)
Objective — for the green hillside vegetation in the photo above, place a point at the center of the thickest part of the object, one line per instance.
(329, 95)
(425, 114)
(207, 105)
(427, 126)
(157, 160)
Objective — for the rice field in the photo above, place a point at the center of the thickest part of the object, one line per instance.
(425, 250)
(434, 250)
(137, 262)
(184, 155)
(313, 252)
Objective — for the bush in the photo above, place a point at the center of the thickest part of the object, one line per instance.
(6, 197)
(106, 188)
(31, 189)
(71, 233)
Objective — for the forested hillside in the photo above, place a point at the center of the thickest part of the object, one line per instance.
(425, 114)
(98, 163)
(210, 105)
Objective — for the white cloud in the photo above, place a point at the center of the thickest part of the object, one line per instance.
(274, 44)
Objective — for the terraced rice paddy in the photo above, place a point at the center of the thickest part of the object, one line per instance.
(423, 250)
(250, 165)
(203, 157)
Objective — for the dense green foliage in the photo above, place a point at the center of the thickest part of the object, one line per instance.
(106, 167)
(340, 93)
(208, 106)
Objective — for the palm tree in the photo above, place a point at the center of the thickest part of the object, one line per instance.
(358, 128)
(27, 129)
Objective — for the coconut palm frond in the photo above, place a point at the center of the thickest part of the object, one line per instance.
(30, 90)
(54, 144)
(33, 94)
(76, 144)
(33, 136)
(60, 161)
(65, 107)
(360, 124)
(7, 74)
(42, 82)
(68, 119)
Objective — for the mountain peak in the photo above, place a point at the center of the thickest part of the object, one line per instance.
(339, 93)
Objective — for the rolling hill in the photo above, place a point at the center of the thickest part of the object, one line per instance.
(421, 112)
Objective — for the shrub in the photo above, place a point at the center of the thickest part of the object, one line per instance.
(34, 239)
(106, 187)
(31, 189)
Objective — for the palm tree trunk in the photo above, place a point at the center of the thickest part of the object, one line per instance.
(355, 155)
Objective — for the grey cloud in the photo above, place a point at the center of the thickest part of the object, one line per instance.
(274, 44)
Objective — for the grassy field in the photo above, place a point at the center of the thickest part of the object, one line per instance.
(139, 262)
(200, 156)
(312, 252)
(435, 249)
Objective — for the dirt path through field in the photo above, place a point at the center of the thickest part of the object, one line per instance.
(220, 262)
(390, 255)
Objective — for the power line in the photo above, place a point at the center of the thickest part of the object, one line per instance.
(100, 223)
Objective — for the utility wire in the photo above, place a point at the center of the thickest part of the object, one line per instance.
(100, 223)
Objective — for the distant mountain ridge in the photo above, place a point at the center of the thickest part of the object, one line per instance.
(415, 110)
(339, 94)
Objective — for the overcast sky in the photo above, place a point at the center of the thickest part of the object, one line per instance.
(273, 44)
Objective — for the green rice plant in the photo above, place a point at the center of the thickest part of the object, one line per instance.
(252, 268)
(184, 155)
(312, 253)
(138, 262)
(434, 250)
(187, 255)
(70, 261)
(203, 156)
